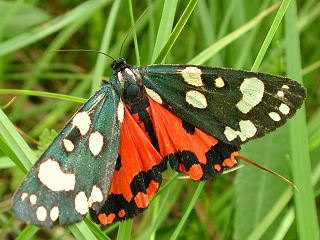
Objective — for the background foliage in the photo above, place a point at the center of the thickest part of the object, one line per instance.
(268, 36)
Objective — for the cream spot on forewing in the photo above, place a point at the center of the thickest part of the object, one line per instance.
(68, 145)
(219, 82)
(82, 121)
(155, 96)
(285, 86)
(23, 196)
(284, 109)
(33, 199)
(120, 111)
(280, 94)
(275, 116)
(230, 134)
(54, 213)
(192, 75)
(96, 196)
(51, 175)
(252, 90)
(41, 213)
(81, 203)
(95, 143)
(196, 99)
(247, 128)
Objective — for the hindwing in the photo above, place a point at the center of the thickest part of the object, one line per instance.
(233, 106)
(75, 172)
(137, 176)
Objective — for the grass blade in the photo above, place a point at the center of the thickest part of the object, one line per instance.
(52, 26)
(220, 44)
(176, 31)
(306, 215)
(165, 27)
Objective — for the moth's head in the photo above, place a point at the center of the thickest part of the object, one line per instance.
(118, 65)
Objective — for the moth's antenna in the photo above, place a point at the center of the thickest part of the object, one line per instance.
(131, 28)
(82, 50)
(269, 171)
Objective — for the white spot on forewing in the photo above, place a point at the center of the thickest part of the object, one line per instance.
(54, 213)
(280, 94)
(81, 203)
(284, 109)
(192, 75)
(23, 196)
(96, 196)
(219, 82)
(95, 143)
(247, 128)
(275, 116)
(196, 99)
(252, 90)
(82, 121)
(68, 145)
(51, 175)
(41, 213)
(120, 111)
(230, 134)
(33, 199)
(155, 96)
(285, 86)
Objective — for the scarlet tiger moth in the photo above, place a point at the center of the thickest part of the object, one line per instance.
(110, 157)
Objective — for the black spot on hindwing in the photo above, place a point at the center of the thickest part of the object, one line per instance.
(188, 127)
(118, 164)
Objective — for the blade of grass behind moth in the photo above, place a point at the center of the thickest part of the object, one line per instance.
(27, 233)
(223, 42)
(42, 94)
(187, 212)
(274, 27)
(81, 231)
(208, 29)
(165, 27)
(307, 223)
(54, 25)
(134, 32)
(14, 140)
(176, 31)
(44, 61)
(105, 46)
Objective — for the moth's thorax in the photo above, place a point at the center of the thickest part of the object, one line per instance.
(133, 92)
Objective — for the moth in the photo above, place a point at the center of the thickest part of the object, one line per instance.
(108, 160)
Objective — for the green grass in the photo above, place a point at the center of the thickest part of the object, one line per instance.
(268, 36)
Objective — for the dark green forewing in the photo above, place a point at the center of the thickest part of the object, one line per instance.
(233, 106)
(75, 172)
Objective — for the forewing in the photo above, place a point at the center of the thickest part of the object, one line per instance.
(75, 172)
(233, 106)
